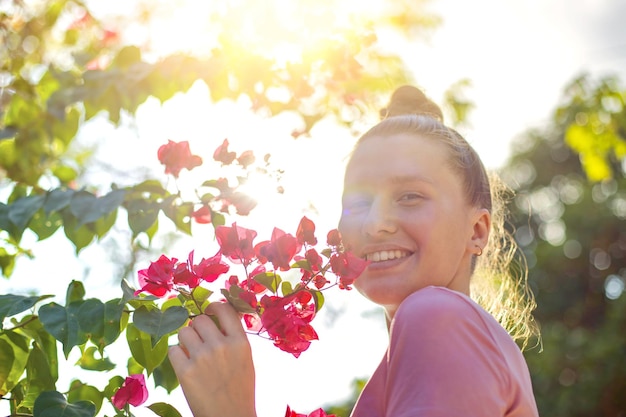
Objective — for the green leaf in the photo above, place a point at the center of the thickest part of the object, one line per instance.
(31, 327)
(39, 372)
(62, 323)
(201, 294)
(141, 348)
(44, 226)
(269, 280)
(54, 404)
(22, 210)
(142, 215)
(151, 187)
(57, 199)
(164, 376)
(158, 323)
(318, 298)
(127, 56)
(303, 264)
(101, 226)
(11, 305)
(232, 296)
(84, 206)
(91, 319)
(65, 173)
(83, 392)
(80, 236)
(75, 292)
(113, 312)
(217, 219)
(134, 367)
(89, 361)
(180, 215)
(164, 410)
(286, 288)
(112, 386)
(7, 263)
(13, 358)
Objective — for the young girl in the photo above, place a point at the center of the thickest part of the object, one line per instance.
(418, 205)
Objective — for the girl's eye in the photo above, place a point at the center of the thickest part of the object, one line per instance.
(355, 205)
(410, 197)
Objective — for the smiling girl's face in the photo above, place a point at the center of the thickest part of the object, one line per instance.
(405, 210)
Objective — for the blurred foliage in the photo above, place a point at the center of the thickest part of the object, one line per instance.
(569, 218)
(62, 66)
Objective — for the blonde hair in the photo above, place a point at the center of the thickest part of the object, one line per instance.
(499, 281)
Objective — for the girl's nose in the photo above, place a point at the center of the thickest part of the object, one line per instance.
(379, 220)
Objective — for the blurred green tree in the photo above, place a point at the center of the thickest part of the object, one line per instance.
(569, 218)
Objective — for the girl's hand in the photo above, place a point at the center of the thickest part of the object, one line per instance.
(214, 366)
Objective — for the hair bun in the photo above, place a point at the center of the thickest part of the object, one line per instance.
(411, 100)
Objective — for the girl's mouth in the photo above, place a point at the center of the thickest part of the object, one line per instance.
(386, 255)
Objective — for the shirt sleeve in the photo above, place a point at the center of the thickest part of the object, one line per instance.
(442, 360)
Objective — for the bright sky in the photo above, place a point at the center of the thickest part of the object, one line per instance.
(519, 56)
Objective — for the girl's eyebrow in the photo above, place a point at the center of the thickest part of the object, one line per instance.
(405, 179)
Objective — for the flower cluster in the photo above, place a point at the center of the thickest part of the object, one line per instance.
(270, 306)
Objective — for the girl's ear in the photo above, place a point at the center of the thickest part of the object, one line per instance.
(481, 221)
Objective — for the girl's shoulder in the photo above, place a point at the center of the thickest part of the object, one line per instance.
(439, 310)
(437, 301)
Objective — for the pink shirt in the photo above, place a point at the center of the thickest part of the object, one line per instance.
(447, 357)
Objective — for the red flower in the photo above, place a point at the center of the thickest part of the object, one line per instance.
(176, 156)
(347, 267)
(306, 232)
(315, 260)
(222, 155)
(243, 202)
(158, 278)
(333, 238)
(317, 413)
(279, 251)
(246, 158)
(209, 269)
(286, 320)
(133, 391)
(202, 215)
(236, 243)
(184, 276)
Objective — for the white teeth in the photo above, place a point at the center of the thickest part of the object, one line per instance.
(386, 255)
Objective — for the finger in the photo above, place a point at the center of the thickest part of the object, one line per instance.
(228, 318)
(206, 328)
(178, 357)
(189, 338)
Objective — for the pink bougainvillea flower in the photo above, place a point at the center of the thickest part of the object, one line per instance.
(246, 158)
(280, 250)
(176, 156)
(222, 155)
(306, 232)
(209, 269)
(236, 243)
(242, 202)
(158, 278)
(347, 267)
(286, 320)
(184, 276)
(133, 391)
(315, 260)
(333, 238)
(252, 322)
(316, 413)
(202, 215)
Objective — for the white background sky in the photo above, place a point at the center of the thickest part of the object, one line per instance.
(518, 54)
